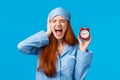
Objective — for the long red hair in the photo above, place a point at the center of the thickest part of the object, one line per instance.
(48, 57)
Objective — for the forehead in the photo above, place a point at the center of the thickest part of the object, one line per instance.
(58, 18)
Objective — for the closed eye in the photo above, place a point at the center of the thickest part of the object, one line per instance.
(53, 21)
(62, 20)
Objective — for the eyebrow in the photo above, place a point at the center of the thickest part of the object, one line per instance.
(60, 19)
(63, 19)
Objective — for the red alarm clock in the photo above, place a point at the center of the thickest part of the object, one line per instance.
(84, 33)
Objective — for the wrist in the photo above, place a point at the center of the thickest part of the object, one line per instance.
(83, 50)
(48, 33)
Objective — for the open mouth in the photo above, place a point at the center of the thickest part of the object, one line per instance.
(58, 32)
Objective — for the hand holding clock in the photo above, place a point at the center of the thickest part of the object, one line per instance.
(84, 39)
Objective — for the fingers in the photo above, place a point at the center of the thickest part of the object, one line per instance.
(48, 27)
(87, 42)
(83, 42)
(48, 17)
(89, 39)
(48, 22)
(80, 41)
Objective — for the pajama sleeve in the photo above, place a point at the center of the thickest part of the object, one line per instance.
(32, 44)
(83, 61)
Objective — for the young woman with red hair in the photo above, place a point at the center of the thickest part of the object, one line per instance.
(62, 56)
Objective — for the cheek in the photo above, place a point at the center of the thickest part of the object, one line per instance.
(52, 24)
(65, 28)
(52, 28)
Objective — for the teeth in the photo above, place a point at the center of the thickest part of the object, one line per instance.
(58, 29)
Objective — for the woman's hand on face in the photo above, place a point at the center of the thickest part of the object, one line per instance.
(48, 28)
(84, 44)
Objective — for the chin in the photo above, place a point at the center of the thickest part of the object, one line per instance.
(59, 37)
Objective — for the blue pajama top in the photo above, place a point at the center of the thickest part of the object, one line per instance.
(72, 64)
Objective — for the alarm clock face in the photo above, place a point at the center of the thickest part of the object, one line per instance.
(84, 33)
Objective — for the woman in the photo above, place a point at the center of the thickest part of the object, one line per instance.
(61, 55)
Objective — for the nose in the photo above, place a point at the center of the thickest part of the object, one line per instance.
(58, 23)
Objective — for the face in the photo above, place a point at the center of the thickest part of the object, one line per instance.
(58, 27)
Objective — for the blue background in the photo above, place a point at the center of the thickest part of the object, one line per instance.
(22, 18)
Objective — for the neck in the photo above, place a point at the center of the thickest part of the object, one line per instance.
(61, 45)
